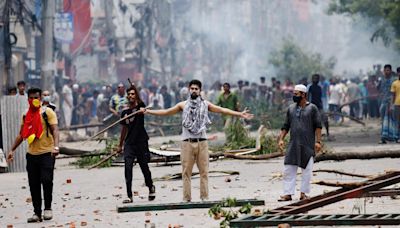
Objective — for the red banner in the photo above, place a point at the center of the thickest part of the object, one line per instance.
(80, 10)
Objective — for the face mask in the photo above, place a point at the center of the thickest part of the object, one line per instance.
(46, 99)
(34, 103)
(297, 99)
(193, 96)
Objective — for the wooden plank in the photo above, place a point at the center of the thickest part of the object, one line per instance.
(183, 205)
(319, 220)
(354, 193)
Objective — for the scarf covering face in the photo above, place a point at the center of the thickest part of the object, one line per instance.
(32, 122)
(195, 115)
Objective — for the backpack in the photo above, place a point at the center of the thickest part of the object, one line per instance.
(46, 120)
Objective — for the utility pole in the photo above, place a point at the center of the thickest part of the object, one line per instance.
(47, 46)
(6, 48)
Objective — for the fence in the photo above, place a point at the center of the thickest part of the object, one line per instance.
(11, 109)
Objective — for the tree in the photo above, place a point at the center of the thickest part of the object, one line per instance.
(383, 14)
(293, 62)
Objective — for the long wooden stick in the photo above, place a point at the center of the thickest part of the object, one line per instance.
(112, 125)
(358, 99)
(254, 157)
(340, 184)
(104, 160)
(344, 115)
(341, 173)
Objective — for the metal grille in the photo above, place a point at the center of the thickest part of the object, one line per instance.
(338, 195)
(12, 108)
(312, 220)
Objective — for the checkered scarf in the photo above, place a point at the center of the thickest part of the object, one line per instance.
(195, 115)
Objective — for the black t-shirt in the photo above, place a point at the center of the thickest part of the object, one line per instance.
(136, 132)
(315, 91)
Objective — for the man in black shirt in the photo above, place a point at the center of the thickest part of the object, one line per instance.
(134, 143)
(315, 97)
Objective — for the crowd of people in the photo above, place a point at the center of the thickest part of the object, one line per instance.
(362, 97)
(305, 103)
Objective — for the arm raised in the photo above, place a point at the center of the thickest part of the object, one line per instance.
(165, 112)
(217, 109)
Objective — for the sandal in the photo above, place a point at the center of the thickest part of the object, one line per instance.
(304, 197)
(127, 200)
(285, 198)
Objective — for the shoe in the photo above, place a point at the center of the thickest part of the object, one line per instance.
(127, 200)
(48, 214)
(152, 193)
(285, 198)
(34, 218)
(304, 196)
(382, 142)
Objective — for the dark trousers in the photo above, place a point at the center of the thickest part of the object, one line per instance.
(354, 109)
(373, 108)
(142, 154)
(40, 170)
(365, 110)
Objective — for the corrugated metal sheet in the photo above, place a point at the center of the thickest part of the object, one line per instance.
(12, 108)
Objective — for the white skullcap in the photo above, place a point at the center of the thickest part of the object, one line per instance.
(75, 86)
(301, 88)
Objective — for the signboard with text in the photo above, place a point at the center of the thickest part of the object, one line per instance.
(64, 27)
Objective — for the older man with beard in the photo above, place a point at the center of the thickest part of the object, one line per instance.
(304, 123)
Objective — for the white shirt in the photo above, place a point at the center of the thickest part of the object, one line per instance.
(67, 92)
(336, 94)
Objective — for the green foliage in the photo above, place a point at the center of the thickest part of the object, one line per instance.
(268, 144)
(237, 136)
(225, 210)
(291, 61)
(384, 15)
(89, 161)
(83, 162)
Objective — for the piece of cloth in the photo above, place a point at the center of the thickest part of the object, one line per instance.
(195, 116)
(194, 152)
(142, 154)
(40, 170)
(390, 125)
(385, 91)
(395, 89)
(32, 128)
(136, 131)
(46, 142)
(301, 123)
(289, 178)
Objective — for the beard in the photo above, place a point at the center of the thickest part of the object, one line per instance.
(194, 96)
